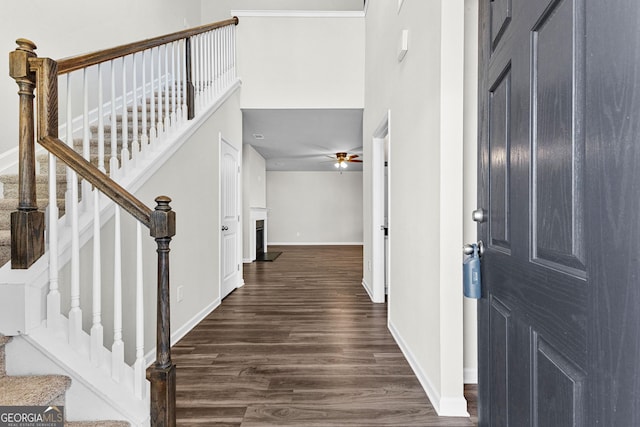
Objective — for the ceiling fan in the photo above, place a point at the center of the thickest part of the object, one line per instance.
(342, 159)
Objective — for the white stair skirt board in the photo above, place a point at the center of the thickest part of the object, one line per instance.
(444, 406)
(90, 397)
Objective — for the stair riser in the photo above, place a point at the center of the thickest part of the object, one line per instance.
(3, 359)
(5, 253)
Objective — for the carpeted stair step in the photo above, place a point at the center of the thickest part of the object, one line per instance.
(10, 183)
(61, 168)
(9, 205)
(3, 362)
(36, 390)
(5, 246)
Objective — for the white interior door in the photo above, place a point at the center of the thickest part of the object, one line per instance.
(230, 218)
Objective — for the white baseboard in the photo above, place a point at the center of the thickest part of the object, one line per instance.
(315, 244)
(470, 375)
(444, 406)
(367, 288)
(179, 333)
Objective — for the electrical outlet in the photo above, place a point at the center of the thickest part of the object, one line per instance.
(180, 295)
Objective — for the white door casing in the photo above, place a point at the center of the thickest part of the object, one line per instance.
(229, 218)
(378, 215)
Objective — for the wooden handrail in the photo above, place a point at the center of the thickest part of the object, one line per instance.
(74, 63)
(97, 178)
(47, 124)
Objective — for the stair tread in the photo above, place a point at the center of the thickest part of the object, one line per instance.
(34, 390)
(106, 423)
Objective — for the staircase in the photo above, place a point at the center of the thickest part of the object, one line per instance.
(39, 390)
(10, 181)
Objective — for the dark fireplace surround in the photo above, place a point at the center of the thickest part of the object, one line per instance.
(259, 238)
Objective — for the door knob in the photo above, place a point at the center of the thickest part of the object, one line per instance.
(225, 228)
(479, 215)
(468, 249)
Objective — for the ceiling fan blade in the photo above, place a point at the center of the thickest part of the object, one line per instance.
(354, 161)
(352, 156)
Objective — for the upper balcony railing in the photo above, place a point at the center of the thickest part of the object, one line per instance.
(119, 105)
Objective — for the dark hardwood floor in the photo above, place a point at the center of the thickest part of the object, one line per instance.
(300, 345)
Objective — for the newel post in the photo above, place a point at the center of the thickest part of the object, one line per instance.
(162, 374)
(27, 223)
(191, 92)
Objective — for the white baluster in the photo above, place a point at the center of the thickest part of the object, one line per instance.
(53, 297)
(117, 349)
(97, 333)
(113, 161)
(139, 366)
(208, 57)
(86, 139)
(100, 121)
(160, 127)
(224, 57)
(185, 87)
(153, 134)
(75, 313)
(143, 102)
(174, 82)
(229, 51)
(195, 65)
(124, 152)
(218, 61)
(203, 74)
(167, 112)
(179, 89)
(135, 145)
(234, 53)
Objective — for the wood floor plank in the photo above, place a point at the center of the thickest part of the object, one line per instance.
(301, 344)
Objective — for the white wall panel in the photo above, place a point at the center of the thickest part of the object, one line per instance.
(314, 207)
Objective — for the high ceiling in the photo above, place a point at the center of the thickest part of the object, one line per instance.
(301, 140)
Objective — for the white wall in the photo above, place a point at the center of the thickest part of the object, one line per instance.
(314, 207)
(425, 96)
(65, 28)
(297, 4)
(254, 190)
(292, 62)
(470, 175)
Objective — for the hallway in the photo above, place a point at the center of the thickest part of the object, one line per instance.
(300, 345)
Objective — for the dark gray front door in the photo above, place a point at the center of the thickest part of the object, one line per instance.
(559, 162)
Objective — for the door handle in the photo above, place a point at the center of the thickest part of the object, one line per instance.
(479, 215)
(468, 248)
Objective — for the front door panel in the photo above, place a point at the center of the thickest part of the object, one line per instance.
(559, 176)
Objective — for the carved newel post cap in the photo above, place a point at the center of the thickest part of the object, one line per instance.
(163, 219)
(26, 45)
